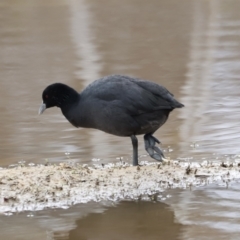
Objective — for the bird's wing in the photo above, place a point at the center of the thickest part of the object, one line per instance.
(132, 95)
(159, 95)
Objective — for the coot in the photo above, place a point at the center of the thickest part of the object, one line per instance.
(119, 105)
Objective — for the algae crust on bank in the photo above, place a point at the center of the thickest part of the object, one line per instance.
(34, 188)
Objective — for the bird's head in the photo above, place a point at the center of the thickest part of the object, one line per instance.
(56, 95)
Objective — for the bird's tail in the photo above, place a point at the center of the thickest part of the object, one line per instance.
(180, 105)
(177, 104)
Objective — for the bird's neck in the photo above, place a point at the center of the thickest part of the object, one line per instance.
(69, 103)
(68, 99)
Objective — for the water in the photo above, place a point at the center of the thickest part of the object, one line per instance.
(190, 47)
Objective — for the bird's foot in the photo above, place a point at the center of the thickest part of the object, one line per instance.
(166, 161)
(154, 151)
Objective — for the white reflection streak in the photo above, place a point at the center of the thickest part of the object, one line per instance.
(88, 58)
(197, 90)
(88, 64)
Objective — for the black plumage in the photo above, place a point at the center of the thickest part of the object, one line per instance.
(119, 105)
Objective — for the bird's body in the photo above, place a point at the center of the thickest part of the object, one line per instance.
(119, 105)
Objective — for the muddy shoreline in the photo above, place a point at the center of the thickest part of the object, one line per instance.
(38, 187)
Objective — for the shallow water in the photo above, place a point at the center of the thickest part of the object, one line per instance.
(190, 47)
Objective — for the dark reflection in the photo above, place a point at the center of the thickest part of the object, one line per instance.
(129, 220)
(46, 224)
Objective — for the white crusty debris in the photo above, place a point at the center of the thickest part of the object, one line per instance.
(37, 187)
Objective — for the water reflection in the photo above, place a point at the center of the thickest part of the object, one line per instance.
(89, 64)
(128, 220)
(214, 210)
(89, 60)
(210, 91)
(46, 224)
(142, 220)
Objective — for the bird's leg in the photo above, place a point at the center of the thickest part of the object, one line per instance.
(154, 151)
(135, 150)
